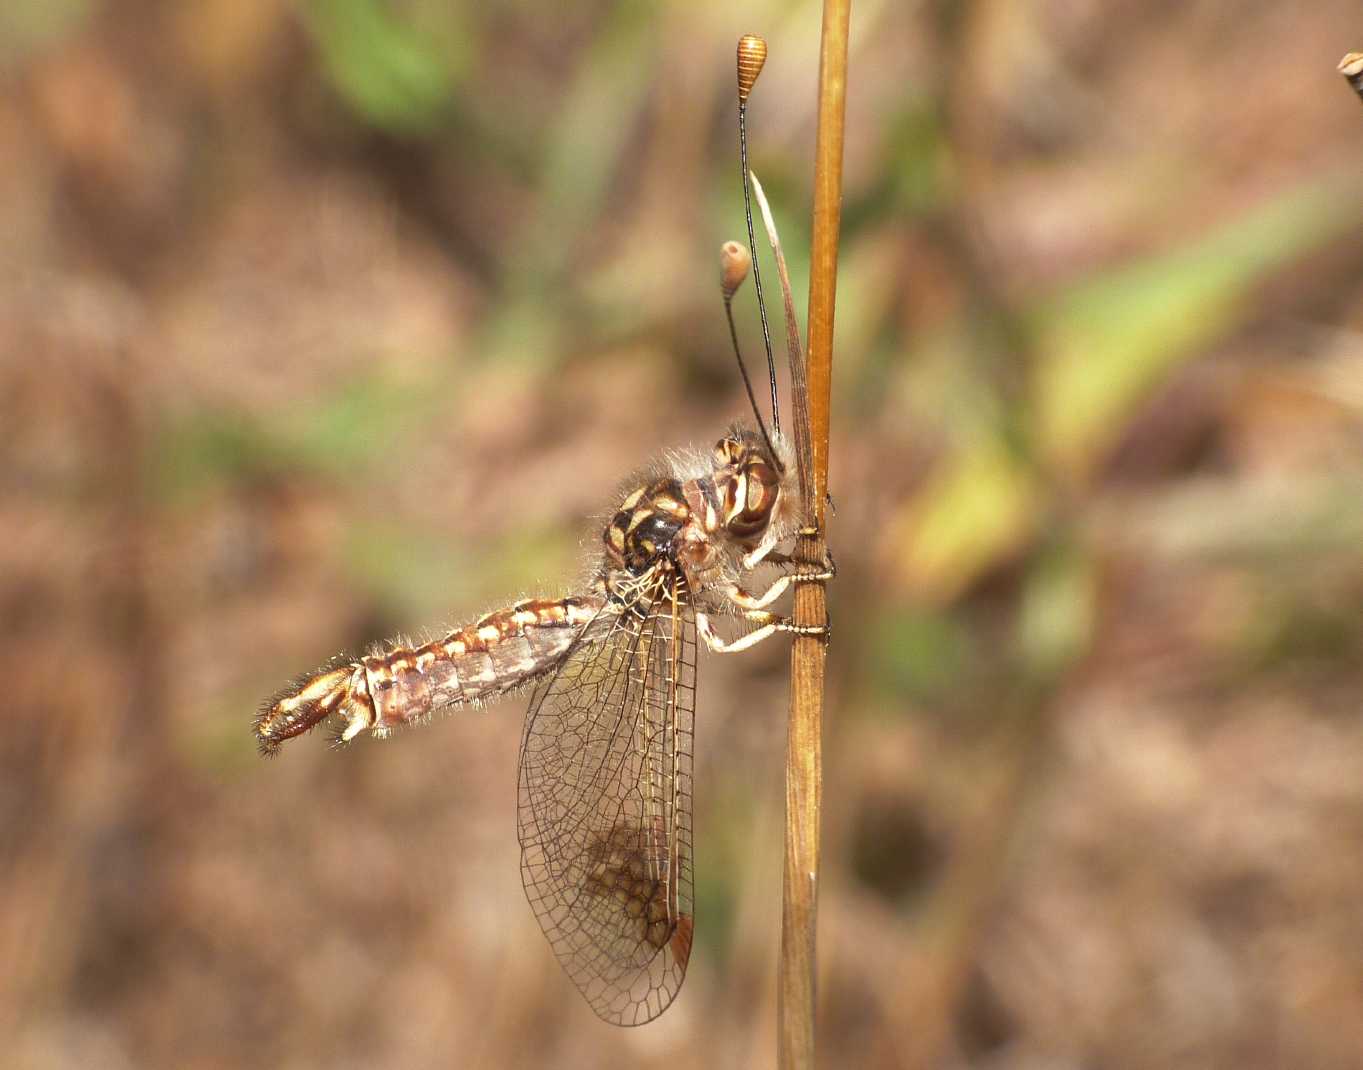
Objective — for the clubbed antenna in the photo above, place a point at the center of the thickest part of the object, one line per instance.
(752, 54)
(734, 262)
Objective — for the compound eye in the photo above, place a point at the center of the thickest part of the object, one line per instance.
(761, 488)
(760, 491)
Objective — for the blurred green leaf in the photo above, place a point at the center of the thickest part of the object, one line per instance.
(424, 575)
(1106, 343)
(722, 859)
(395, 74)
(29, 25)
(364, 421)
(976, 506)
(359, 425)
(921, 654)
(921, 170)
(1101, 348)
(588, 133)
(207, 448)
(1057, 619)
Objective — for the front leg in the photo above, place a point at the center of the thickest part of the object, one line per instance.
(745, 600)
(771, 624)
(780, 557)
(766, 551)
(763, 549)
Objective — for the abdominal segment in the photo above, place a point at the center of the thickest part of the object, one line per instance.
(405, 685)
(340, 689)
(500, 652)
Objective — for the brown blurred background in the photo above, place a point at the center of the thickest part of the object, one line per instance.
(322, 321)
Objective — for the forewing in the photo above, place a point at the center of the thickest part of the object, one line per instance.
(604, 812)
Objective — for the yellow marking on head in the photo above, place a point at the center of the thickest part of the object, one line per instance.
(740, 489)
(399, 666)
(728, 451)
(633, 499)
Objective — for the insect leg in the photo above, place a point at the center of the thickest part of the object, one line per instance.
(771, 625)
(746, 600)
(763, 548)
(777, 557)
(766, 549)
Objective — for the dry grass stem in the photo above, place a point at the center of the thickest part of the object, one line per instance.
(795, 1047)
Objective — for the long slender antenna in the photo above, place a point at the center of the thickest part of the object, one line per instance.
(734, 262)
(752, 54)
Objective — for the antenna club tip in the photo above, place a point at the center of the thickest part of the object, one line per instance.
(752, 54)
(734, 263)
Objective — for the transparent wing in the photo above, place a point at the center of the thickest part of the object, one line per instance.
(604, 814)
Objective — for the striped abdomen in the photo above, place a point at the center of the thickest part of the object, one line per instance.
(500, 652)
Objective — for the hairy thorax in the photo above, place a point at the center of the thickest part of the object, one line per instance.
(707, 517)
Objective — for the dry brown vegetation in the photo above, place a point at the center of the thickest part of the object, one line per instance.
(325, 321)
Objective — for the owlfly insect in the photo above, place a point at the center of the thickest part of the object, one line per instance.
(605, 788)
